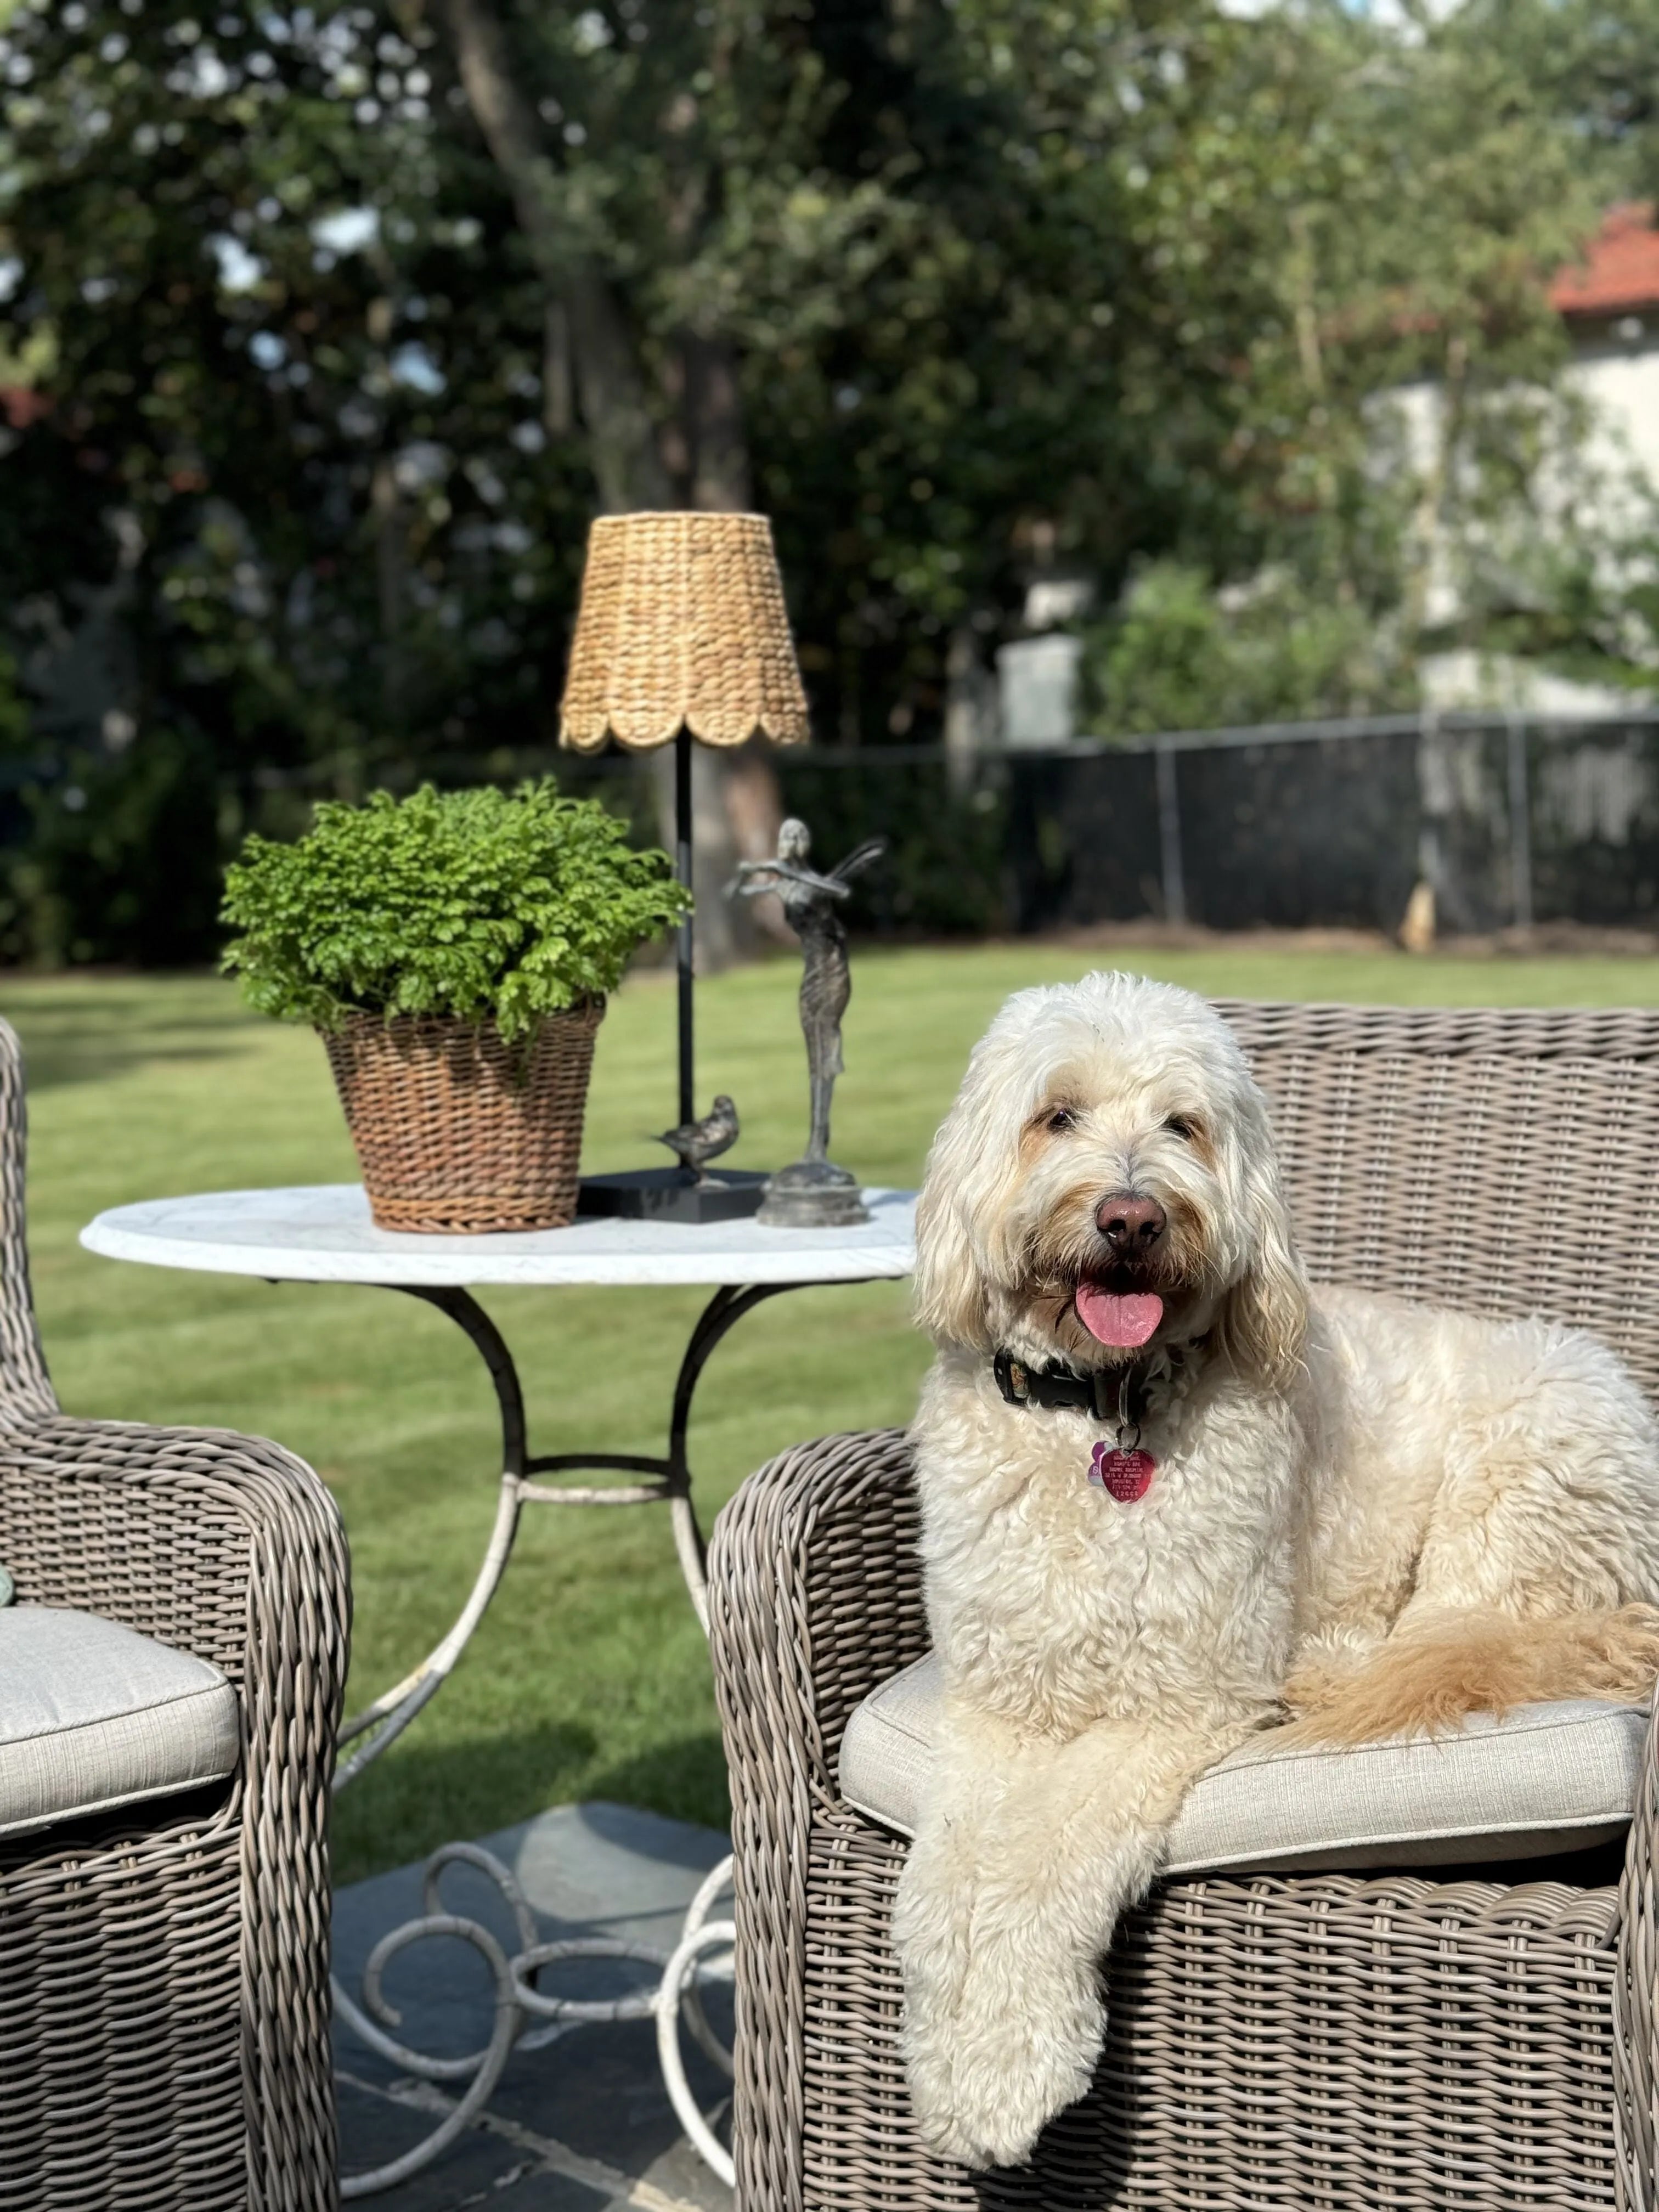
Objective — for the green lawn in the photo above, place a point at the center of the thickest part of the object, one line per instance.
(588, 1679)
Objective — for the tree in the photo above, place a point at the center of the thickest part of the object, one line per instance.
(327, 329)
(239, 253)
(325, 378)
(1411, 455)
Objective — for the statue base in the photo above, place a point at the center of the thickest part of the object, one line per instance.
(812, 1194)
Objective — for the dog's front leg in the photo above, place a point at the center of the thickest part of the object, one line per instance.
(1028, 1855)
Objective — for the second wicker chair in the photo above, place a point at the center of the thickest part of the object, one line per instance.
(1484, 2037)
(164, 2004)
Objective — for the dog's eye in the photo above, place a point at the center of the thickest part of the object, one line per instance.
(1059, 1117)
(1179, 1125)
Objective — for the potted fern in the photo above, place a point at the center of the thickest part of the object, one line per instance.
(455, 950)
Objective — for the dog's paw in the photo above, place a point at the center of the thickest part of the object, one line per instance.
(982, 2146)
(1005, 2132)
(987, 2077)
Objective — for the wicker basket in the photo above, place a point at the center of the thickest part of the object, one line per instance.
(457, 1130)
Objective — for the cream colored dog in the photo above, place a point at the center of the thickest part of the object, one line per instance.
(1168, 1498)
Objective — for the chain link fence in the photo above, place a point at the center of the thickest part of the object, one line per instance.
(1513, 820)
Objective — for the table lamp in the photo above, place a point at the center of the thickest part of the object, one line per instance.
(682, 635)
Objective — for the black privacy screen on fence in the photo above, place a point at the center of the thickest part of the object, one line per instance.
(1511, 819)
(1284, 836)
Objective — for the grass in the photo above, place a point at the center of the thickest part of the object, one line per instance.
(588, 1678)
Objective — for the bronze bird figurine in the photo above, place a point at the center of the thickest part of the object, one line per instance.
(694, 1144)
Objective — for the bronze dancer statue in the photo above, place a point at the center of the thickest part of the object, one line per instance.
(813, 1192)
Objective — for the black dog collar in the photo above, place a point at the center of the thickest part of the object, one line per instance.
(1118, 1395)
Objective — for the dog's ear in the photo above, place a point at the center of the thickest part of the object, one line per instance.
(1265, 1319)
(949, 1295)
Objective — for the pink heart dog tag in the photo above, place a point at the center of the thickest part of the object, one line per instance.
(1126, 1474)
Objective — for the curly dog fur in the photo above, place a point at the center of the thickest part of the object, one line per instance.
(1366, 1518)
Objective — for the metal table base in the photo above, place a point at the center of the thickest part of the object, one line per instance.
(703, 1951)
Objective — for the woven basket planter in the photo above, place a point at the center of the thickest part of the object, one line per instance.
(457, 1131)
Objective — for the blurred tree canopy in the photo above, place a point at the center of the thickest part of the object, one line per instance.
(326, 329)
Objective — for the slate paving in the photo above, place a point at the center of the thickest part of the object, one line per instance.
(583, 2123)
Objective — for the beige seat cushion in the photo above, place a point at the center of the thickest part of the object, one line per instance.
(1548, 1779)
(94, 1714)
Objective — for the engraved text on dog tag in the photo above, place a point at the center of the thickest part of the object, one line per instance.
(1126, 1474)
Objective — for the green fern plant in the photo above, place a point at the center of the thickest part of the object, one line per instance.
(485, 905)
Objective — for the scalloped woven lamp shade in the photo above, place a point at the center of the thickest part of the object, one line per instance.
(682, 635)
(683, 626)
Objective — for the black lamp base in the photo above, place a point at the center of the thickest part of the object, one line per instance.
(671, 1195)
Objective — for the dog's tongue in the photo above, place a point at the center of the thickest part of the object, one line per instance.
(1124, 1321)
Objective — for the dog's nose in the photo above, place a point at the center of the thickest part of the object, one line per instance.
(1130, 1225)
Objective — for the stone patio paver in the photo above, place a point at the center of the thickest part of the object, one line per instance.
(584, 2122)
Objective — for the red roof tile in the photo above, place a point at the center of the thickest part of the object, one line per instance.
(1619, 274)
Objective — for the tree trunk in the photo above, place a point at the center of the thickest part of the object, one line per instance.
(391, 561)
(718, 451)
(736, 806)
(1436, 491)
(970, 710)
(740, 802)
(622, 438)
(590, 355)
(558, 407)
(610, 387)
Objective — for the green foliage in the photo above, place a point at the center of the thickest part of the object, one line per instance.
(475, 903)
(943, 873)
(305, 397)
(1413, 436)
(121, 865)
(1179, 655)
(281, 484)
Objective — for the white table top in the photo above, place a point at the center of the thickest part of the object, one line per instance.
(322, 1233)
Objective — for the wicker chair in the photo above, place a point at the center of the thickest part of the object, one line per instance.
(1321, 2041)
(164, 2005)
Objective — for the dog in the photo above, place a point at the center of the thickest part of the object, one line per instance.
(1170, 1498)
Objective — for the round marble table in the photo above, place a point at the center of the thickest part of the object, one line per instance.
(323, 1234)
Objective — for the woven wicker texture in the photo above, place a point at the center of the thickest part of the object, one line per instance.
(1451, 1154)
(682, 625)
(1637, 1996)
(164, 2005)
(24, 1385)
(456, 1130)
(1323, 2041)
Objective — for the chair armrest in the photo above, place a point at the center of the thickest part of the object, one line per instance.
(229, 1547)
(197, 1537)
(814, 1597)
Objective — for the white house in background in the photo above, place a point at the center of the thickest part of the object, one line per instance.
(1037, 676)
(1610, 303)
(1036, 689)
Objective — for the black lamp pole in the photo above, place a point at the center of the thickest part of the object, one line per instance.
(682, 869)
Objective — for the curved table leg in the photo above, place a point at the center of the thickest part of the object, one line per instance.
(383, 1721)
(378, 1726)
(672, 1482)
(724, 1310)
